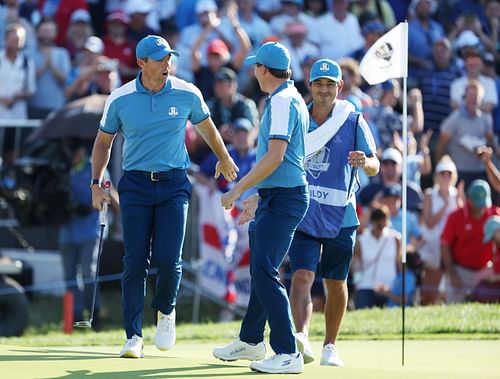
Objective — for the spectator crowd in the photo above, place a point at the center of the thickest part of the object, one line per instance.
(55, 51)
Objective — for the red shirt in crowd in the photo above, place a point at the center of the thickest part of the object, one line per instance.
(124, 53)
(464, 235)
(63, 16)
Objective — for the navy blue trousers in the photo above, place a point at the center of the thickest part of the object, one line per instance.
(279, 212)
(154, 217)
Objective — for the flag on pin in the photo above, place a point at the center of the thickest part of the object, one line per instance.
(387, 58)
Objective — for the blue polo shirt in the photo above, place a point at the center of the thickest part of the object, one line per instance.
(285, 117)
(153, 124)
(412, 225)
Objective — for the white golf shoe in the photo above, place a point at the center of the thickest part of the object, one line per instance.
(280, 364)
(133, 348)
(240, 350)
(304, 347)
(330, 356)
(165, 331)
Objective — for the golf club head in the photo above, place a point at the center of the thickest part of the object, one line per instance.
(83, 324)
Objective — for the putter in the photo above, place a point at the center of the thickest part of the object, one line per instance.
(102, 217)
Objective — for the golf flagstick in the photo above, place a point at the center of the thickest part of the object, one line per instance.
(103, 218)
(404, 216)
(387, 59)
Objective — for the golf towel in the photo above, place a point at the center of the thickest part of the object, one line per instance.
(319, 137)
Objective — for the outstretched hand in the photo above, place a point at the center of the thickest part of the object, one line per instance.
(227, 168)
(250, 207)
(228, 199)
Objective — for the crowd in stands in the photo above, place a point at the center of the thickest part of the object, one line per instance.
(56, 51)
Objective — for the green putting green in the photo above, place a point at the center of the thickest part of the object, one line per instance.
(364, 359)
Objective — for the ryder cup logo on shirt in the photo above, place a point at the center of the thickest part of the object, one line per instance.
(318, 163)
(172, 111)
(325, 67)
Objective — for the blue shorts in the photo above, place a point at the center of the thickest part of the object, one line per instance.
(305, 253)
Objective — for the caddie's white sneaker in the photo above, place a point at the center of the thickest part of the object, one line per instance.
(330, 356)
(280, 364)
(165, 331)
(240, 350)
(133, 348)
(304, 347)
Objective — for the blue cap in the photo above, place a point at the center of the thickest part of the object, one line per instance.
(373, 26)
(491, 226)
(225, 74)
(242, 124)
(271, 54)
(479, 193)
(325, 68)
(388, 85)
(392, 190)
(153, 47)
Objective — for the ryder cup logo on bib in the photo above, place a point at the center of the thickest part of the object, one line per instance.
(172, 111)
(318, 163)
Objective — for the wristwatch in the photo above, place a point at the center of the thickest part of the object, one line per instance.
(94, 181)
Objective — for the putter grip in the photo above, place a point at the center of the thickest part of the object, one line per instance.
(104, 211)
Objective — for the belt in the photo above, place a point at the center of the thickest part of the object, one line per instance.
(160, 176)
(275, 190)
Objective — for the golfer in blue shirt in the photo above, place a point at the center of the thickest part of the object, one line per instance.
(280, 179)
(151, 113)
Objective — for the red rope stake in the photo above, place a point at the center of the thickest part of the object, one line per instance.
(68, 312)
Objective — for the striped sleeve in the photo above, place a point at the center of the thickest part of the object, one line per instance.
(280, 118)
(110, 122)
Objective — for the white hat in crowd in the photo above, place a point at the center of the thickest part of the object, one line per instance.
(392, 154)
(138, 6)
(80, 15)
(467, 38)
(446, 165)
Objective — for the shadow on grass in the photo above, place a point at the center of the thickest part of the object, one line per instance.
(67, 355)
(53, 354)
(177, 372)
(170, 372)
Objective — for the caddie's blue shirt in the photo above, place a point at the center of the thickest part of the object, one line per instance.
(285, 117)
(364, 143)
(153, 124)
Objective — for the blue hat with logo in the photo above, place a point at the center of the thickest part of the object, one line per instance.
(325, 68)
(490, 228)
(479, 193)
(271, 54)
(153, 47)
